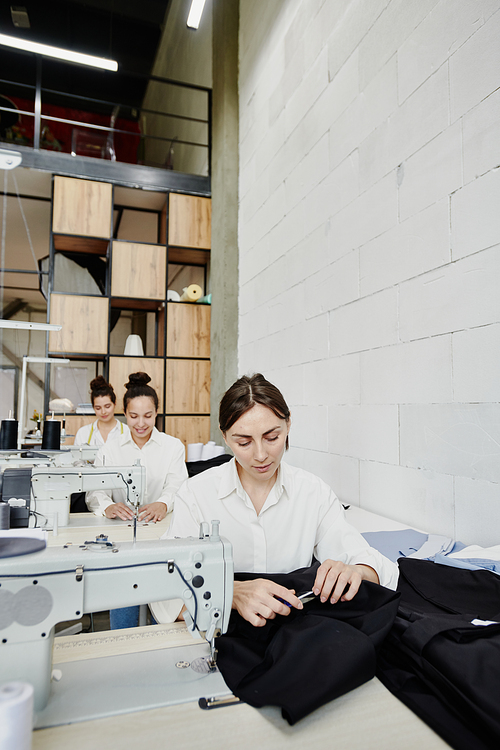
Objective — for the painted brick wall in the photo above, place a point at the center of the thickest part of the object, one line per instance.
(369, 233)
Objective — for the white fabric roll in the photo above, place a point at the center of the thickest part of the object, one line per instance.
(173, 296)
(207, 451)
(194, 451)
(16, 715)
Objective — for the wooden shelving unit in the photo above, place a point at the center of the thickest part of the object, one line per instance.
(136, 280)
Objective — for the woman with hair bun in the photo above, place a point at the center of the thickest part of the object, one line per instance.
(162, 455)
(106, 426)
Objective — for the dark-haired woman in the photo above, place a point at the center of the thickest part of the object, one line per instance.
(162, 455)
(106, 426)
(277, 517)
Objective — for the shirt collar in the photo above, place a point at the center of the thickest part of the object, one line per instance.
(127, 438)
(231, 482)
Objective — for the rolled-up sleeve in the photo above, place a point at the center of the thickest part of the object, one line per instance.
(338, 540)
(176, 475)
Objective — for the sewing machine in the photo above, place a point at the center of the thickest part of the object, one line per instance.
(51, 487)
(62, 583)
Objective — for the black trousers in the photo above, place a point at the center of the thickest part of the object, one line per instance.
(440, 665)
(311, 656)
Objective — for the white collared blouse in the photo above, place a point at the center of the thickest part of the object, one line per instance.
(90, 434)
(163, 456)
(301, 517)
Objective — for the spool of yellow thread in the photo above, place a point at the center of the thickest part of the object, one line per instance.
(191, 293)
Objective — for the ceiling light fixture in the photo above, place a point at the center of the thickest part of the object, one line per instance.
(9, 159)
(59, 53)
(194, 17)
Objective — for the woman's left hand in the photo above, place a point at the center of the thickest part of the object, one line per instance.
(153, 512)
(337, 580)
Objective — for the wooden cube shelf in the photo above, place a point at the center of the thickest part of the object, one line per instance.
(138, 270)
(82, 207)
(189, 221)
(84, 323)
(121, 367)
(189, 429)
(188, 330)
(188, 386)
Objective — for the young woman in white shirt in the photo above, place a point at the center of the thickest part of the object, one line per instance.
(277, 517)
(106, 426)
(162, 455)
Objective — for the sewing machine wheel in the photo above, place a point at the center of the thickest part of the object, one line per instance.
(20, 545)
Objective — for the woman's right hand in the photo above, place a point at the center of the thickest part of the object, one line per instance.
(119, 510)
(256, 601)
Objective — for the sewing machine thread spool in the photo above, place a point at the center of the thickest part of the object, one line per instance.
(8, 434)
(4, 516)
(51, 440)
(16, 715)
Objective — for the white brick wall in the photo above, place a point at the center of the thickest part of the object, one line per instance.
(369, 240)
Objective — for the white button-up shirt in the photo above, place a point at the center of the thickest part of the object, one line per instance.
(164, 459)
(301, 517)
(90, 434)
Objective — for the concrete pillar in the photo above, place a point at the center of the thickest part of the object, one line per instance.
(224, 256)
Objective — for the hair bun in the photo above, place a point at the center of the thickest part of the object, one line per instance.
(98, 382)
(137, 378)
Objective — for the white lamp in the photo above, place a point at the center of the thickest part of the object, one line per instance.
(133, 346)
(39, 360)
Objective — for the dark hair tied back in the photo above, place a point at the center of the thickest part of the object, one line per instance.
(138, 386)
(245, 393)
(99, 386)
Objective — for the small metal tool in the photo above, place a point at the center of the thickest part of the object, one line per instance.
(226, 700)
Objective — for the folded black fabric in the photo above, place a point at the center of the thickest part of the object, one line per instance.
(303, 660)
(437, 662)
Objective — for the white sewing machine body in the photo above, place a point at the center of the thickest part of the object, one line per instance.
(52, 486)
(63, 457)
(62, 583)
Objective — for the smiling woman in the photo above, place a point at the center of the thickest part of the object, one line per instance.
(277, 517)
(162, 455)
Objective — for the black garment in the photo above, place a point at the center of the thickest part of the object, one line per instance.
(440, 665)
(303, 660)
(196, 467)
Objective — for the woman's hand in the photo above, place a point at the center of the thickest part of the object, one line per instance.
(119, 510)
(333, 577)
(256, 601)
(153, 512)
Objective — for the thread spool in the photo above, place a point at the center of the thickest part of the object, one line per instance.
(8, 435)
(16, 715)
(4, 516)
(191, 293)
(51, 440)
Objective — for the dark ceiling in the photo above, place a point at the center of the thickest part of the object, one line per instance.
(128, 31)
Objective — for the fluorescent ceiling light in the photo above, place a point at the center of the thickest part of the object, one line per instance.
(60, 54)
(194, 17)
